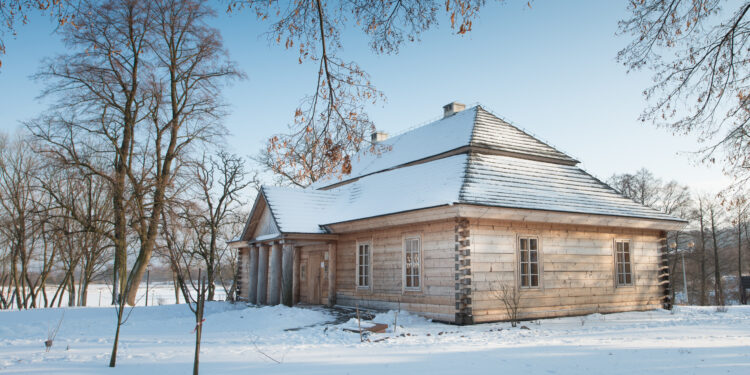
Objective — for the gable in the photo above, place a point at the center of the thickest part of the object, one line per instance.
(266, 224)
(261, 221)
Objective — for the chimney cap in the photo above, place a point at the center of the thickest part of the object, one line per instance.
(378, 136)
(452, 108)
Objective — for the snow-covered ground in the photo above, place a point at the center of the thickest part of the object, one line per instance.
(239, 339)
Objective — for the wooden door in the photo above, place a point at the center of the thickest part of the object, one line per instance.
(314, 278)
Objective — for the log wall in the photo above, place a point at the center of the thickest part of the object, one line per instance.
(577, 270)
(435, 299)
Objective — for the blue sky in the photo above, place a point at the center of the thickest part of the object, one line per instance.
(550, 70)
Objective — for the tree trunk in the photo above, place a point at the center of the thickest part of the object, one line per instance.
(703, 299)
(210, 276)
(739, 255)
(114, 285)
(176, 289)
(673, 267)
(72, 291)
(718, 291)
(198, 331)
(113, 356)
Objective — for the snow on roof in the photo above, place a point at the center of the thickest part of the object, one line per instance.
(296, 210)
(493, 132)
(432, 139)
(420, 186)
(527, 174)
(503, 181)
(471, 127)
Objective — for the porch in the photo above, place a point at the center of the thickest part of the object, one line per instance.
(287, 269)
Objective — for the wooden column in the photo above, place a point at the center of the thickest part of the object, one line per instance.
(287, 275)
(331, 273)
(241, 290)
(295, 276)
(274, 280)
(262, 274)
(252, 275)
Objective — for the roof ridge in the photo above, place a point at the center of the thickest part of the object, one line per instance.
(429, 122)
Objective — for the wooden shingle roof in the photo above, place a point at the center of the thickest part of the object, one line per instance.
(493, 133)
(472, 157)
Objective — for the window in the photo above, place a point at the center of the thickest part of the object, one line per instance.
(528, 248)
(623, 265)
(363, 265)
(412, 256)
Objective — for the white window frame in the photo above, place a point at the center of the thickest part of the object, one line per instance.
(367, 266)
(520, 261)
(630, 262)
(420, 267)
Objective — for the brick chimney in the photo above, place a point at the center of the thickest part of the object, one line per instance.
(451, 109)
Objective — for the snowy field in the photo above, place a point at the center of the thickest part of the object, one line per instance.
(239, 339)
(159, 293)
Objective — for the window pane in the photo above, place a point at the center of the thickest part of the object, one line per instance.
(524, 256)
(532, 257)
(523, 244)
(532, 244)
(534, 280)
(411, 262)
(363, 257)
(534, 268)
(624, 263)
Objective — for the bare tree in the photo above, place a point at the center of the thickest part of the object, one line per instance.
(81, 219)
(699, 53)
(139, 88)
(209, 209)
(701, 214)
(510, 296)
(187, 104)
(714, 215)
(740, 210)
(642, 186)
(13, 11)
(178, 242)
(23, 232)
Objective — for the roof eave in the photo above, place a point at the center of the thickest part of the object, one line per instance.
(569, 217)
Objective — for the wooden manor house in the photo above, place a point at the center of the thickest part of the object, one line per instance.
(449, 215)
